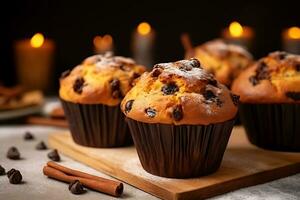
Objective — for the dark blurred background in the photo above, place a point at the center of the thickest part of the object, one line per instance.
(73, 24)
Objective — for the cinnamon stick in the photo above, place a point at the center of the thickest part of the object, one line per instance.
(57, 112)
(56, 171)
(47, 121)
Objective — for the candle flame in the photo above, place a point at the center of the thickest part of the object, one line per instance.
(235, 29)
(144, 28)
(37, 40)
(294, 32)
(103, 42)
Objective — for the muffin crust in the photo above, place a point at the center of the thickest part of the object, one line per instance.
(273, 79)
(179, 93)
(100, 79)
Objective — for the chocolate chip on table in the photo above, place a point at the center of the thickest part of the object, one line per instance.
(13, 153)
(128, 106)
(14, 176)
(2, 171)
(78, 85)
(150, 112)
(293, 95)
(235, 99)
(177, 113)
(169, 88)
(28, 136)
(53, 155)
(41, 146)
(76, 187)
(65, 74)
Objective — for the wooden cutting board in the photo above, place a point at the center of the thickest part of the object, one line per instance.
(243, 165)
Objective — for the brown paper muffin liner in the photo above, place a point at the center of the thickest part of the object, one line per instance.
(272, 126)
(181, 151)
(97, 125)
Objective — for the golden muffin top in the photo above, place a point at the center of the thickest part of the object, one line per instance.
(223, 60)
(272, 79)
(99, 79)
(179, 93)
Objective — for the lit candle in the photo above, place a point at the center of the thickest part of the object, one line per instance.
(34, 59)
(238, 34)
(143, 44)
(103, 44)
(291, 40)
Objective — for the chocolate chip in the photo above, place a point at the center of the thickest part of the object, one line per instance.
(212, 82)
(282, 55)
(117, 94)
(195, 62)
(78, 85)
(157, 66)
(41, 146)
(156, 72)
(13, 153)
(218, 102)
(65, 74)
(125, 68)
(53, 155)
(253, 80)
(293, 95)
(170, 88)
(28, 136)
(10, 172)
(14, 176)
(209, 95)
(177, 113)
(2, 171)
(297, 67)
(115, 84)
(76, 187)
(135, 75)
(235, 99)
(261, 73)
(150, 112)
(128, 106)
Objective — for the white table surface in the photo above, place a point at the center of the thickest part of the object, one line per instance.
(37, 186)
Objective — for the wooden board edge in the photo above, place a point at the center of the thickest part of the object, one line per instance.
(122, 176)
(247, 181)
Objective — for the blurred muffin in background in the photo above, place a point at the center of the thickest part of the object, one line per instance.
(270, 101)
(225, 61)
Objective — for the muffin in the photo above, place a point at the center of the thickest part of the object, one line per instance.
(180, 119)
(270, 101)
(225, 61)
(91, 94)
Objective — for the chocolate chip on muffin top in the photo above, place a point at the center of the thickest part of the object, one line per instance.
(273, 79)
(177, 93)
(100, 79)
